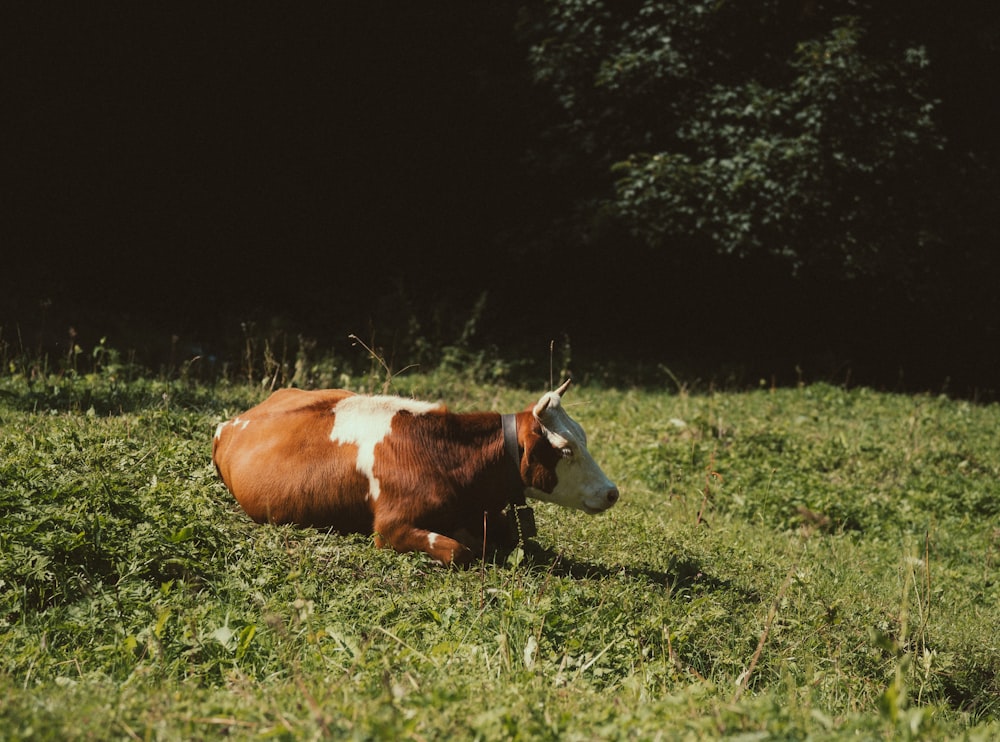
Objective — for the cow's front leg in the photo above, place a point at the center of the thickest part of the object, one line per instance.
(404, 537)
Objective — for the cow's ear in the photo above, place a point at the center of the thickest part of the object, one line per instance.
(541, 407)
(550, 400)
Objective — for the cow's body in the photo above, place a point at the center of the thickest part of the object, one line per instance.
(417, 476)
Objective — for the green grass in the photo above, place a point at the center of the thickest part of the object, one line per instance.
(796, 563)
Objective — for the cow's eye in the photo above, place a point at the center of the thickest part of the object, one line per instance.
(567, 453)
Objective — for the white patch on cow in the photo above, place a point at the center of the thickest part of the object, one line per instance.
(364, 422)
(235, 421)
(431, 539)
(580, 484)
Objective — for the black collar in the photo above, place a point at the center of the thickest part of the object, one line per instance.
(513, 451)
(517, 505)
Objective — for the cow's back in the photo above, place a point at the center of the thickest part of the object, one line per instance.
(281, 465)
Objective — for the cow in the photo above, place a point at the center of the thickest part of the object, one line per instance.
(418, 477)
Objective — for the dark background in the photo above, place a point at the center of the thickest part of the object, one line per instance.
(172, 174)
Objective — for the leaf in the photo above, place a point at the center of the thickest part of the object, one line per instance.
(223, 635)
(181, 535)
(530, 648)
(161, 622)
(246, 637)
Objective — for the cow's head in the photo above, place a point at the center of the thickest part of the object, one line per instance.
(560, 469)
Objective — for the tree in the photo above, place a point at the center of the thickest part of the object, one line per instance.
(744, 128)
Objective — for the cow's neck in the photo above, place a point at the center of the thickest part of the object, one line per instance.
(520, 516)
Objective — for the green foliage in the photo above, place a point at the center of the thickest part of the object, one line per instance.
(751, 129)
(850, 536)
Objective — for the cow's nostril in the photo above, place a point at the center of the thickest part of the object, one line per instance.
(612, 496)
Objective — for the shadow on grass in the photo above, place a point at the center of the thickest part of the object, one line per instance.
(681, 573)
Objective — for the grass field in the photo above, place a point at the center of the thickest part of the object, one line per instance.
(784, 564)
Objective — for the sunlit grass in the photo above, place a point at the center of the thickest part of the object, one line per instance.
(787, 563)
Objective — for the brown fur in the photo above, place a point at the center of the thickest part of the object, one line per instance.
(439, 472)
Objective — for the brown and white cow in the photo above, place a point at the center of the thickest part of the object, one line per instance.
(419, 477)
